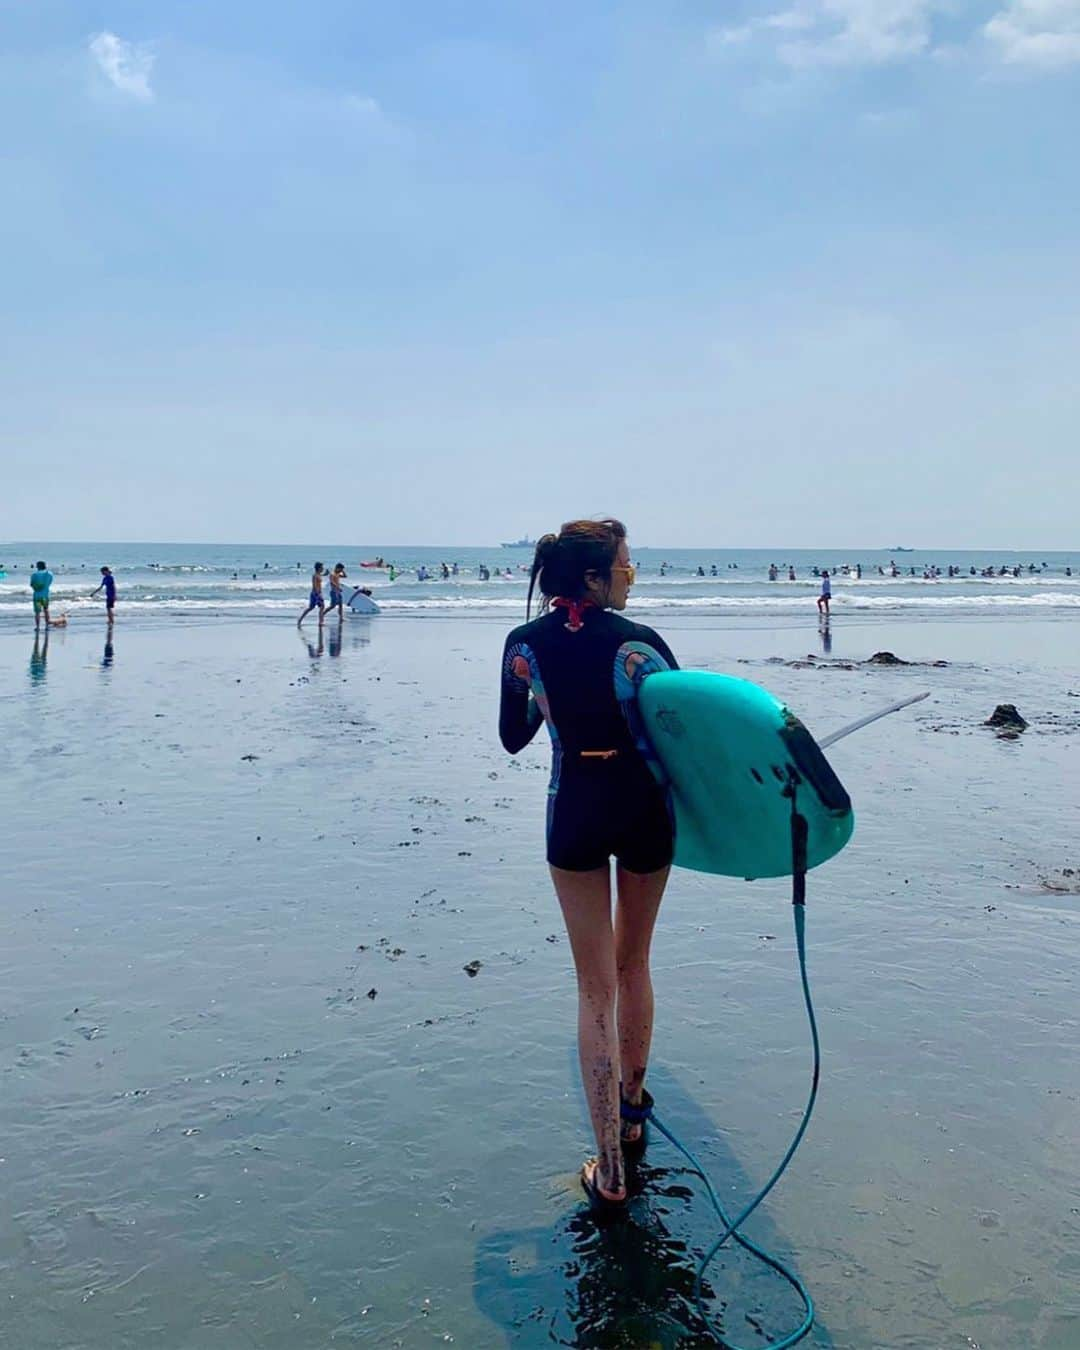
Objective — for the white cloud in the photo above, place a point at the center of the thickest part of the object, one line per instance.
(852, 32)
(126, 64)
(1037, 34)
(1043, 33)
(363, 107)
(731, 37)
(840, 32)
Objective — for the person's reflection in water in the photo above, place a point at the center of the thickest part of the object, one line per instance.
(625, 1283)
(38, 657)
(825, 633)
(635, 1282)
(107, 659)
(335, 638)
(630, 1283)
(314, 649)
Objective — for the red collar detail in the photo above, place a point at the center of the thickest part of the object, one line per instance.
(576, 611)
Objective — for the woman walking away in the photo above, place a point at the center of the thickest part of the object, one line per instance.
(577, 667)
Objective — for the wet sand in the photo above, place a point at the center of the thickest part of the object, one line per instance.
(252, 1097)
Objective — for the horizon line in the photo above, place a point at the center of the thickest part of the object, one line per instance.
(652, 548)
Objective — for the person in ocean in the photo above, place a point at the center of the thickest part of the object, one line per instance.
(315, 599)
(41, 580)
(826, 593)
(337, 595)
(577, 667)
(108, 583)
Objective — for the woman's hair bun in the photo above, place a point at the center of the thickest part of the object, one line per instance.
(545, 545)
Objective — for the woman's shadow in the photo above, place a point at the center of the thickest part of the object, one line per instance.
(630, 1284)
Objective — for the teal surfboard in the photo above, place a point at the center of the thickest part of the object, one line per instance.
(732, 753)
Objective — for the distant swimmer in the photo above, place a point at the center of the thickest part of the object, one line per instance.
(773, 573)
(483, 573)
(315, 599)
(337, 600)
(41, 580)
(826, 594)
(790, 573)
(421, 573)
(393, 572)
(108, 584)
(701, 571)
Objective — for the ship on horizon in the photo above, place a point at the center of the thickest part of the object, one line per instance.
(523, 542)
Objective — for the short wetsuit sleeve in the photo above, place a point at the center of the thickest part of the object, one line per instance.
(519, 713)
(653, 638)
(644, 654)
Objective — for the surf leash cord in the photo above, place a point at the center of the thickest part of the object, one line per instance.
(799, 831)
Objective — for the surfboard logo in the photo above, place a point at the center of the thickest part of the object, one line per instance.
(670, 723)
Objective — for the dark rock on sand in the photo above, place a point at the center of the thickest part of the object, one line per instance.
(472, 969)
(1006, 719)
(1062, 881)
(885, 659)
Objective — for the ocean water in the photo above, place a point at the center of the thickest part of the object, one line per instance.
(201, 580)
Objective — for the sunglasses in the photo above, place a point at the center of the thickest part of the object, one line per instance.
(629, 569)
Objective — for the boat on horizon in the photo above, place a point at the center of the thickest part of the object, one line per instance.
(524, 542)
(901, 549)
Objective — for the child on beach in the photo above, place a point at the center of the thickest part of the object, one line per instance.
(826, 594)
(315, 599)
(108, 581)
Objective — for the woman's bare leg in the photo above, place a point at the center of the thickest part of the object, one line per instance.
(635, 918)
(585, 898)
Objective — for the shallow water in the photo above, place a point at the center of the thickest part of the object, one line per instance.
(202, 580)
(213, 1137)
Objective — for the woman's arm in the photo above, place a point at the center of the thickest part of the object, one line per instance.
(635, 661)
(520, 714)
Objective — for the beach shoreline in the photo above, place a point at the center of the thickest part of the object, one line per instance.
(221, 839)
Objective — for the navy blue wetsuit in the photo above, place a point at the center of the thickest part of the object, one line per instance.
(584, 685)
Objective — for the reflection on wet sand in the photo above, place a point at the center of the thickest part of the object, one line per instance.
(630, 1283)
(39, 657)
(335, 637)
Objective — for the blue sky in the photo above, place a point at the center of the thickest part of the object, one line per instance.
(801, 273)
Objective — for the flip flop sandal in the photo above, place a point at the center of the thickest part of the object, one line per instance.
(600, 1204)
